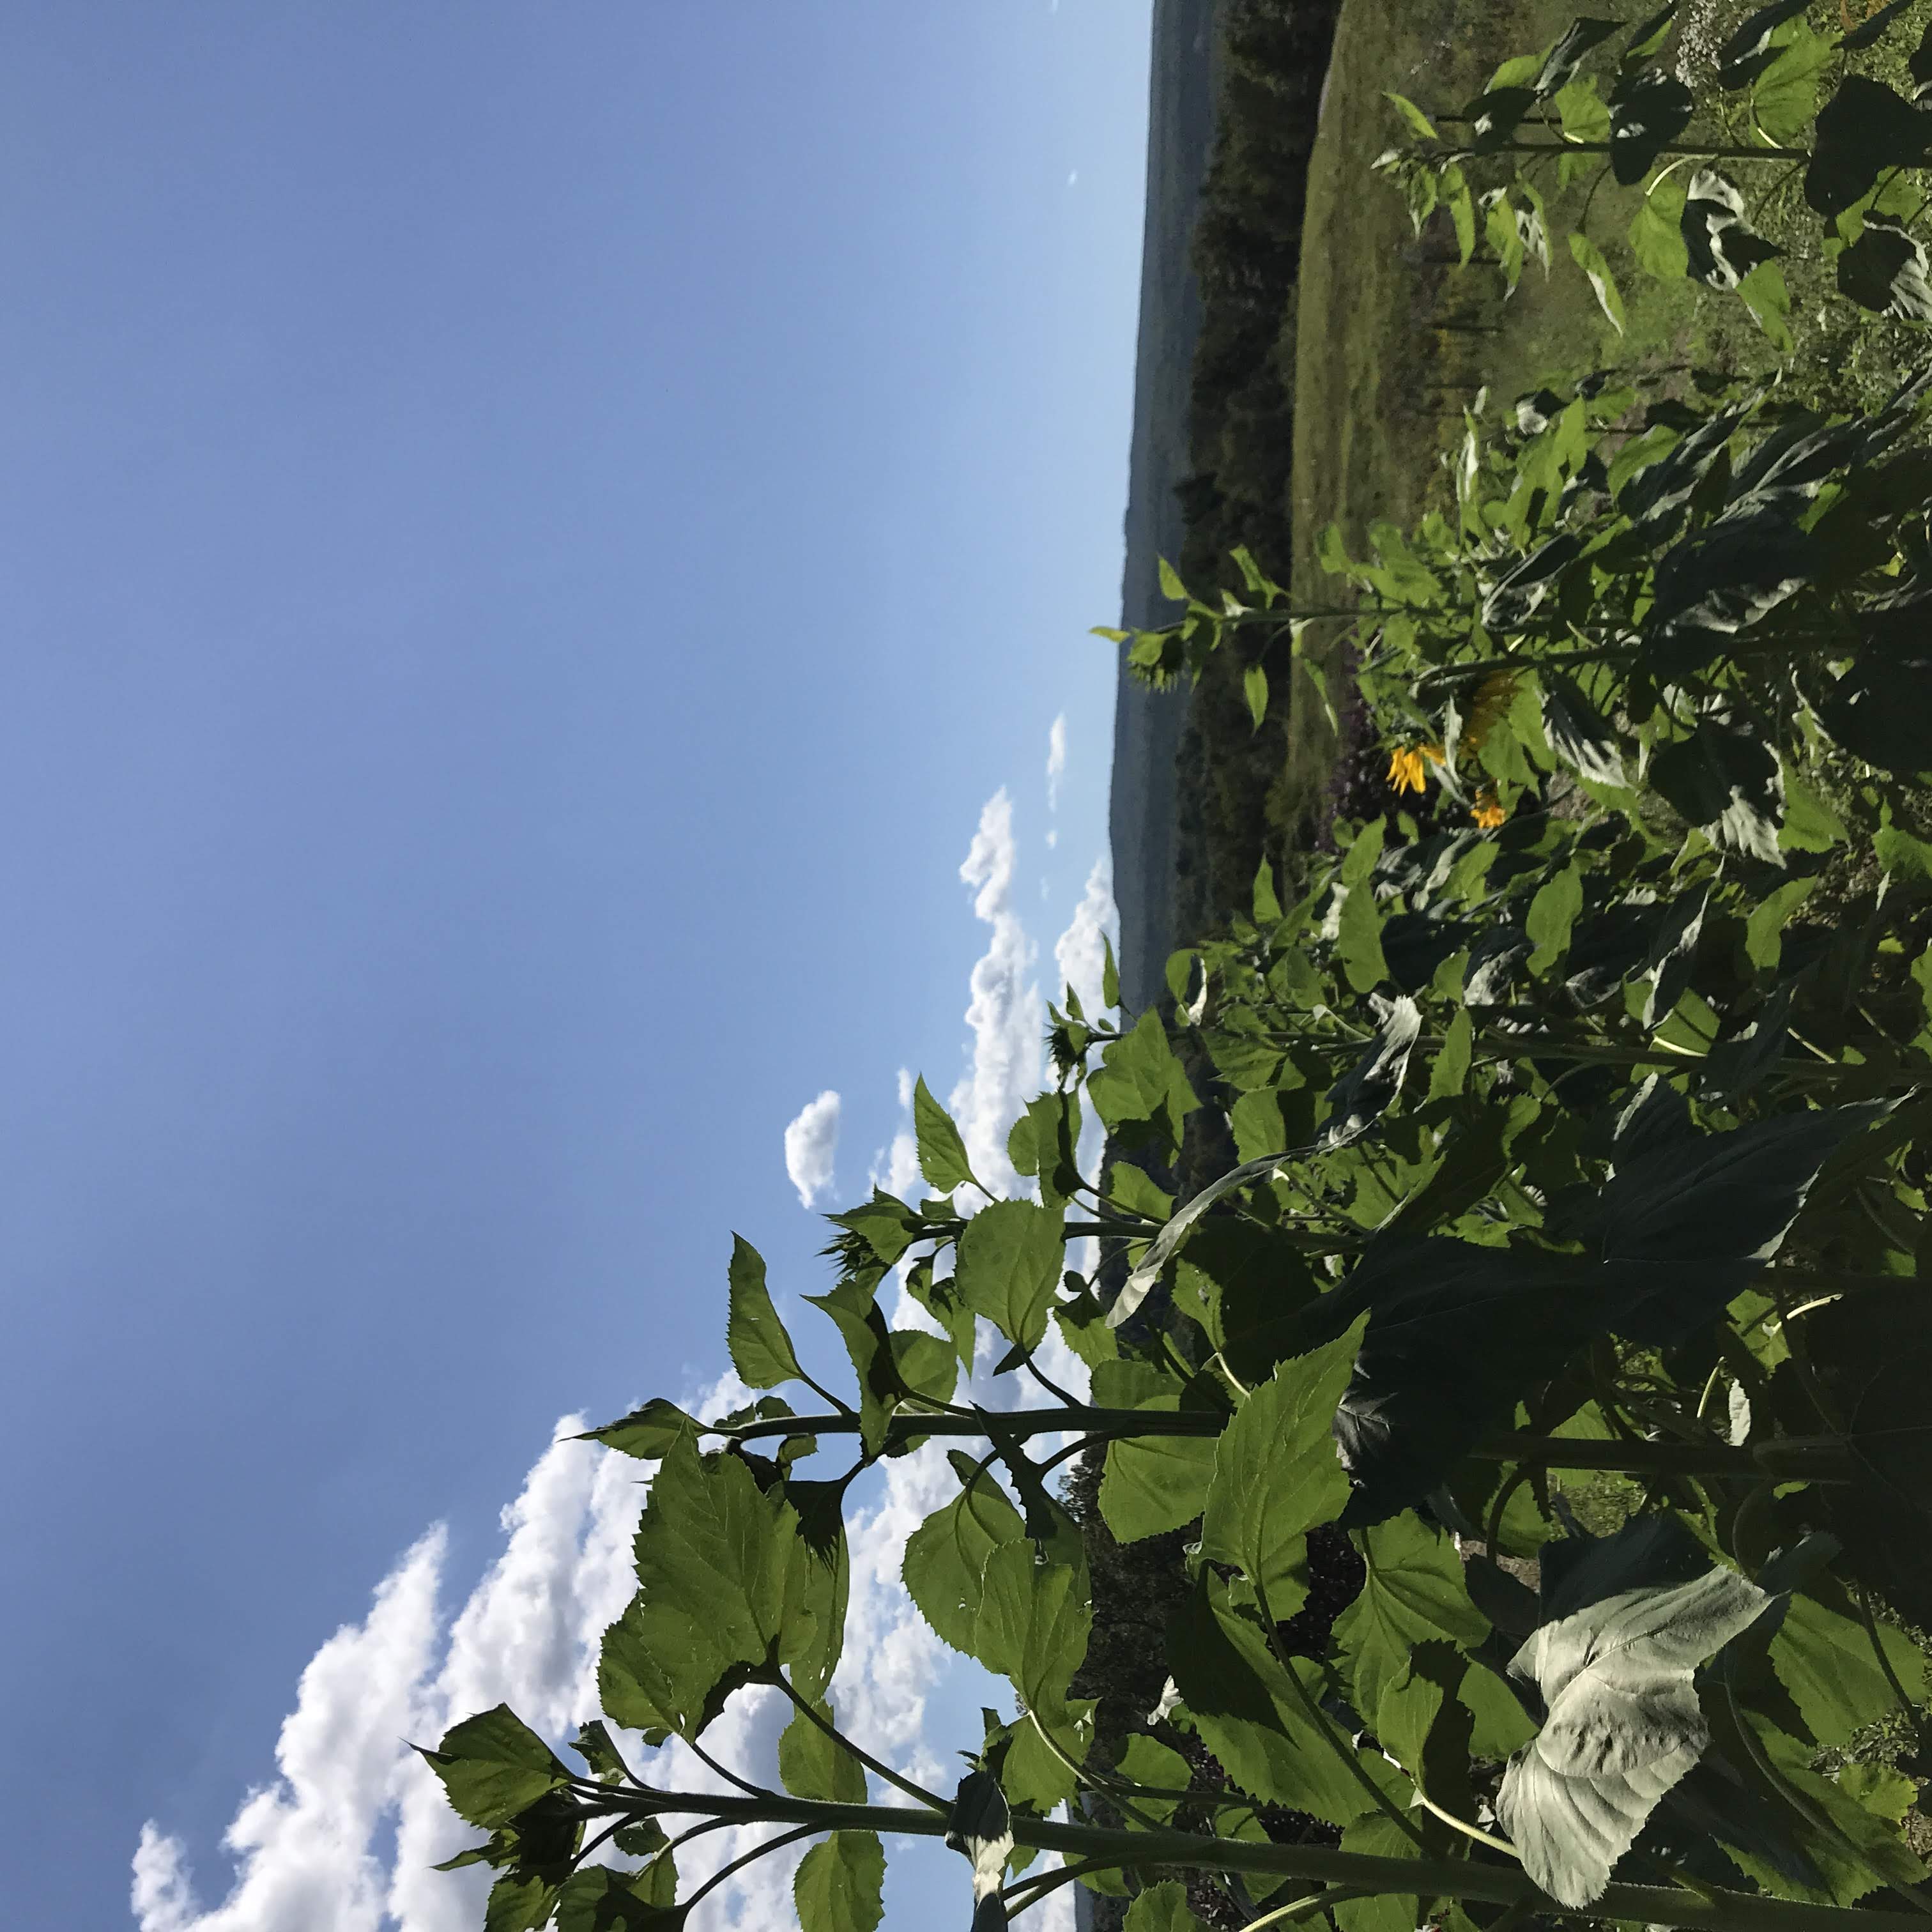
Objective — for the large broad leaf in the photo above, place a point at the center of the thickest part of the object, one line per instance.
(728, 1580)
(761, 1350)
(1032, 1628)
(1865, 129)
(1830, 1663)
(838, 1884)
(1261, 1728)
(1577, 732)
(1276, 1475)
(1723, 579)
(1155, 1483)
(1881, 710)
(1011, 1256)
(1720, 247)
(1140, 1079)
(946, 1556)
(1685, 1226)
(1725, 780)
(1885, 271)
(1457, 1334)
(1367, 1090)
(1648, 110)
(1624, 1724)
(1413, 1594)
(494, 1766)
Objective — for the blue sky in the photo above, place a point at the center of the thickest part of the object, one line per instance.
(535, 535)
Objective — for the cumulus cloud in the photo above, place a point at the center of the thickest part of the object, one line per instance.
(1078, 951)
(1056, 760)
(304, 1846)
(1006, 1013)
(810, 1143)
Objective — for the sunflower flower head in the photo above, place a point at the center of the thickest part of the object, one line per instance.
(1408, 765)
(1487, 810)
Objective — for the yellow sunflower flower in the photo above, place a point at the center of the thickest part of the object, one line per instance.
(1487, 810)
(1408, 765)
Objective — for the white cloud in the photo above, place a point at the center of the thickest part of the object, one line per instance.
(1078, 951)
(304, 1846)
(1056, 760)
(1005, 1014)
(810, 1142)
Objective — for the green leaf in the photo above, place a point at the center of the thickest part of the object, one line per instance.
(1826, 1661)
(1163, 1907)
(1413, 1594)
(1589, 258)
(1764, 930)
(1140, 1079)
(1577, 734)
(1378, 1837)
(1785, 98)
(1259, 1723)
(1885, 271)
(1276, 1474)
(1418, 122)
(811, 1765)
(1155, 1483)
(1267, 906)
(946, 1557)
(1687, 1224)
(761, 1350)
(1254, 689)
(494, 1766)
(517, 1903)
(1358, 937)
(942, 1153)
(1748, 51)
(1010, 1258)
(647, 1433)
(1457, 1333)
(597, 1899)
(1582, 111)
(1763, 291)
(1645, 39)
(1720, 249)
(1110, 975)
(728, 1581)
(1449, 1073)
(839, 1884)
(1656, 233)
(1728, 782)
(1574, 45)
(1369, 1089)
(1864, 128)
(1810, 825)
(1648, 110)
(1032, 1629)
(1624, 1724)
(1552, 913)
